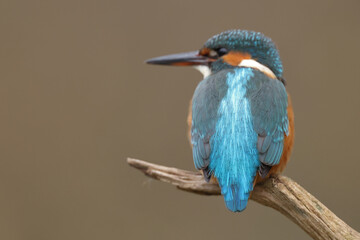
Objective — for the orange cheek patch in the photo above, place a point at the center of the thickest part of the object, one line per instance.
(235, 58)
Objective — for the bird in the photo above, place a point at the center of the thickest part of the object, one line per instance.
(241, 120)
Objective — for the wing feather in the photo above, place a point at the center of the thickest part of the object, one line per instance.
(269, 110)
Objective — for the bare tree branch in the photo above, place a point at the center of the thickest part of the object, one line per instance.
(278, 192)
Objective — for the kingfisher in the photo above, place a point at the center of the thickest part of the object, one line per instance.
(241, 120)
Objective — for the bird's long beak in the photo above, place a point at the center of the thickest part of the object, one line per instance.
(181, 59)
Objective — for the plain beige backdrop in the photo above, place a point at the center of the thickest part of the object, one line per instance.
(76, 99)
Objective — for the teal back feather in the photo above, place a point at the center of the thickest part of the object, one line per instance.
(232, 110)
(234, 157)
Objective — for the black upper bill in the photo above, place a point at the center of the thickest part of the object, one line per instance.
(181, 59)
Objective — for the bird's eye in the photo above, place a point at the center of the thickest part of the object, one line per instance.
(218, 52)
(222, 51)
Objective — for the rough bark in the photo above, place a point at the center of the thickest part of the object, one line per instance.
(278, 192)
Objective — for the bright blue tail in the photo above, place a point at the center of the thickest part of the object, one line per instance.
(235, 199)
(234, 157)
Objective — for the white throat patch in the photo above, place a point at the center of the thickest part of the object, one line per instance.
(205, 70)
(256, 65)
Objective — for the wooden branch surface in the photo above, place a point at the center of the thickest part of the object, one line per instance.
(278, 192)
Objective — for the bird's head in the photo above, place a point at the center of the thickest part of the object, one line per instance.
(230, 49)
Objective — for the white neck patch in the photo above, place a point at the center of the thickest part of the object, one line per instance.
(205, 70)
(251, 63)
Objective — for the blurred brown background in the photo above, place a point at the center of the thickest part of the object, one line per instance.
(76, 99)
